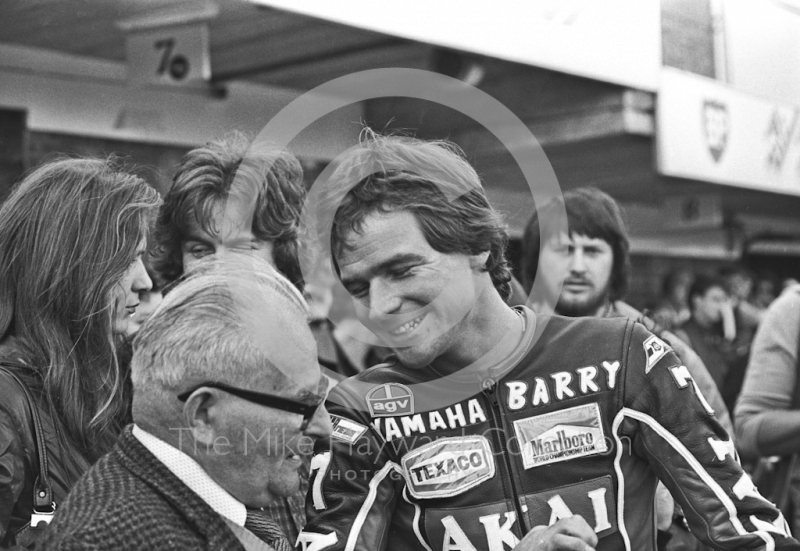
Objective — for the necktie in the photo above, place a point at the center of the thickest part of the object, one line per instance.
(266, 529)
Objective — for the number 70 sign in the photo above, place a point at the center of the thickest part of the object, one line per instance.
(175, 55)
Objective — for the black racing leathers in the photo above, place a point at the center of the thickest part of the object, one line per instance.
(582, 419)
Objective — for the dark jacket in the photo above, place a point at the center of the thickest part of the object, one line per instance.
(689, 357)
(726, 361)
(129, 500)
(580, 419)
(18, 456)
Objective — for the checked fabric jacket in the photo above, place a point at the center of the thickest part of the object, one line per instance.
(130, 501)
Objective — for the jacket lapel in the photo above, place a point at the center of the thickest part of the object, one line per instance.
(204, 520)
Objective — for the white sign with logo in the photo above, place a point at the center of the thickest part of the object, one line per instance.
(611, 40)
(175, 55)
(709, 131)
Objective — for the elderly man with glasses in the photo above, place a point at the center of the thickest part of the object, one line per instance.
(227, 399)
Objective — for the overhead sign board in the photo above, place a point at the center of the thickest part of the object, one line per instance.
(55, 100)
(173, 55)
(708, 131)
(616, 41)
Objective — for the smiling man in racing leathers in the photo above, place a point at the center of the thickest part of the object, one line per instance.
(491, 422)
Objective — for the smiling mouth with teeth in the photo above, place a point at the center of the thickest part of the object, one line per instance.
(407, 327)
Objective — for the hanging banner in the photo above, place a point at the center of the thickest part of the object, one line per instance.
(708, 131)
(615, 41)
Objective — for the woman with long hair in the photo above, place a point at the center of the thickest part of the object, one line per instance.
(72, 236)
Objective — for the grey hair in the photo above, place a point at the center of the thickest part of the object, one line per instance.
(213, 327)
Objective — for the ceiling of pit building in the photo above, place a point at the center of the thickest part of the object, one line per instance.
(260, 44)
(247, 41)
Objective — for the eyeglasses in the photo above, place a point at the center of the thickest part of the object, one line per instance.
(277, 402)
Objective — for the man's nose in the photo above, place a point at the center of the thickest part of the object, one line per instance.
(577, 262)
(383, 301)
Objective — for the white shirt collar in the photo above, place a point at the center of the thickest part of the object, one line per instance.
(193, 475)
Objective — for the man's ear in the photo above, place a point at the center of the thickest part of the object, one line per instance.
(200, 414)
(478, 261)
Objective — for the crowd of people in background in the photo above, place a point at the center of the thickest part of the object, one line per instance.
(717, 313)
(135, 329)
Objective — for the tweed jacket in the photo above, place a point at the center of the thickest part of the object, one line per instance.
(129, 500)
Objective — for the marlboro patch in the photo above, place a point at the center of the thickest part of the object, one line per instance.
(654, 349)
(561, 435)
(346, 430)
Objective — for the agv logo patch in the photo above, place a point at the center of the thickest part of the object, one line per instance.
(390, 399)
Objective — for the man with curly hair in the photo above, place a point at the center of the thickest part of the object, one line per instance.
(231, 197)
(493, 427)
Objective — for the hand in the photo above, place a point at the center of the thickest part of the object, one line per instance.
(665, 507)
(728, 321)
(569, 534)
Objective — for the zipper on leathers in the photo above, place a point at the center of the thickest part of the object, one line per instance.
(490, 390)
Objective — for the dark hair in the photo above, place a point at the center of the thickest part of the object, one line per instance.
(701, 285)
(222, 169)
(592, 213)
(729, 273)
(673, 279)
(430, 179)
(69, 231)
